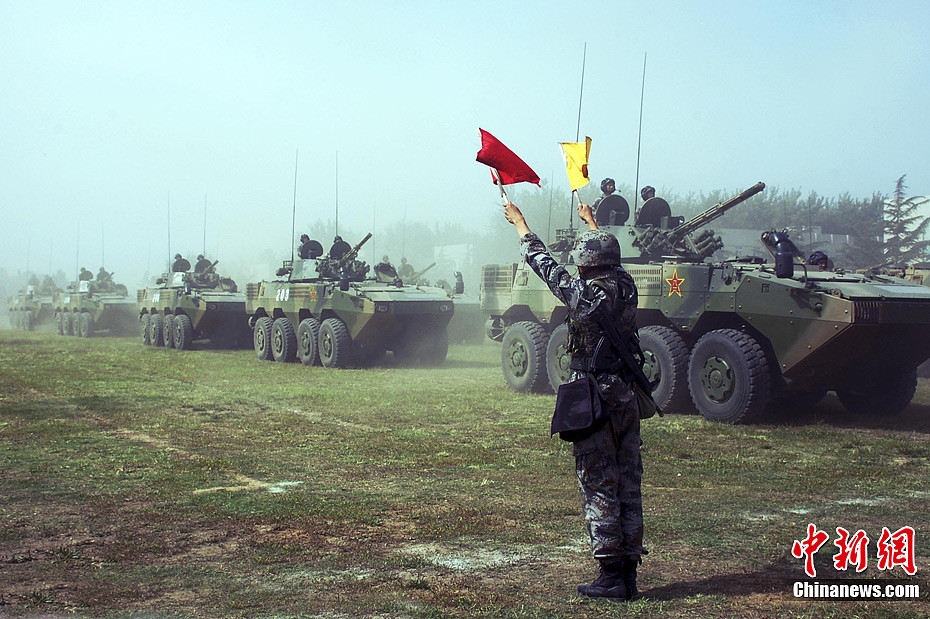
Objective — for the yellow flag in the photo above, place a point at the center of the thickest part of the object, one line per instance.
(576, 162)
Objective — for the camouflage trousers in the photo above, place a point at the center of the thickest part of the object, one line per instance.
(610, 472)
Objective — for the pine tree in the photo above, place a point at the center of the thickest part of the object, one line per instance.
(904, 228)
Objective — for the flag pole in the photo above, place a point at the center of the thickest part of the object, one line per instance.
(584, 57)
(500, 185)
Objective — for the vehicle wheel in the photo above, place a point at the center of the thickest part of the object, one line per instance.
(666, 356)
(66, 323)
(523, 357)
(335, 344)
(145, 323)
(87, 324)
(557, 357)
(261, 338)
(183, 330)
(28, 322)
(157, 330)
(168, 331)
(728, 377)
(59, 327)
(435, 347)
(885, 395)
(308, 337)
(283, 341)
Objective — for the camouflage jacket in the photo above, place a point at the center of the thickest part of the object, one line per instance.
(611, 295)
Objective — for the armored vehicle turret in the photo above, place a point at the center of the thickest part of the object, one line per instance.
(327, 311)
(730, 338)
(185, 307)
(90, 308)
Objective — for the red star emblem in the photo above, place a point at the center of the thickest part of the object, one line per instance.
(675, 284)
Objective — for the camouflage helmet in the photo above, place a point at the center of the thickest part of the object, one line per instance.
(596, 248)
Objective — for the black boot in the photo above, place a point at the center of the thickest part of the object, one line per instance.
(628, 573)
(611, 584)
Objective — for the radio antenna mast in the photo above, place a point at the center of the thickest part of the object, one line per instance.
(294, 210)
(639, 140)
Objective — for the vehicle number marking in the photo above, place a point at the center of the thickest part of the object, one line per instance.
(283, 294)
(155, 297)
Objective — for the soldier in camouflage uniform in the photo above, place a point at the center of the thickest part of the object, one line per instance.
(608, 461)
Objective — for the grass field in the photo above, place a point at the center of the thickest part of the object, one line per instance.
(210, 484)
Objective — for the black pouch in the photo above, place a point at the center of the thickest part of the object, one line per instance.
(578, 409)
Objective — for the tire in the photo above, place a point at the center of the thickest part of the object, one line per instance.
(523, 357)
(435, 347)
(557, 357)
(145, 323)
(157, 330)
(168, 331)
(66, 323)
(283, 341)
(884, 395)
(183, 330)
(335, 344)
(308, 338)
(87, 324)
(58, 328)
(28, 321)
(728, 376)
(666, 357)
(261, 338)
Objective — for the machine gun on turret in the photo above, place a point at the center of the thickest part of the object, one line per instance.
(416, 276)
(332, 268)
(655, 241)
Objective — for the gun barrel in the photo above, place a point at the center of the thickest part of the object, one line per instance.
(354, 251)
(421, 273)
(716, 211)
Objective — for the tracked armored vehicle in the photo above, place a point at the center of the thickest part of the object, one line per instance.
(731, 338)
(31, 308)
(87, 310)
(324, 310)
(187, 307)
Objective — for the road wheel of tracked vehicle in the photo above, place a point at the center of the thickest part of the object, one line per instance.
(261, 338)
(666, 356)
(308, 337)
(157, 330)
(145, 323)
(435, 346)
(183, 330)
(283, 341)
(557, 357)
(728, 376)
(523, 357)
(168, 331)
(59, 328)
(885, 394)
(87, 324)
(335, 344)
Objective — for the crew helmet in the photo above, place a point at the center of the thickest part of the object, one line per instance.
(177, 256)
(304, 238)
(817, 257)
(337, 238)
(605, 182)
(646, 190)
(596, 248)
(199, 256)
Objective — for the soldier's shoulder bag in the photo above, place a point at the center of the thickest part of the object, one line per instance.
(579, 410)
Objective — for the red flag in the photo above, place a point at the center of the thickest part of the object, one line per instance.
(511, 168)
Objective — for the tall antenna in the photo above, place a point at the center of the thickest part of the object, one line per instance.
(28, 249)
(584, 58)
(77, 251)
(337, 192)
(294, 210)
(103, 261)
(549, 225)
(639, 140)
(168, 210)
(205, 224)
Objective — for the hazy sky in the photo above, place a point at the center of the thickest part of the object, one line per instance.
(111, 109)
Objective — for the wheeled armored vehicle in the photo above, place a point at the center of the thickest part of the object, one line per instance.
(186, 307)
(87, 310)
(730, 338)
(31, 308)
(325, 310)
